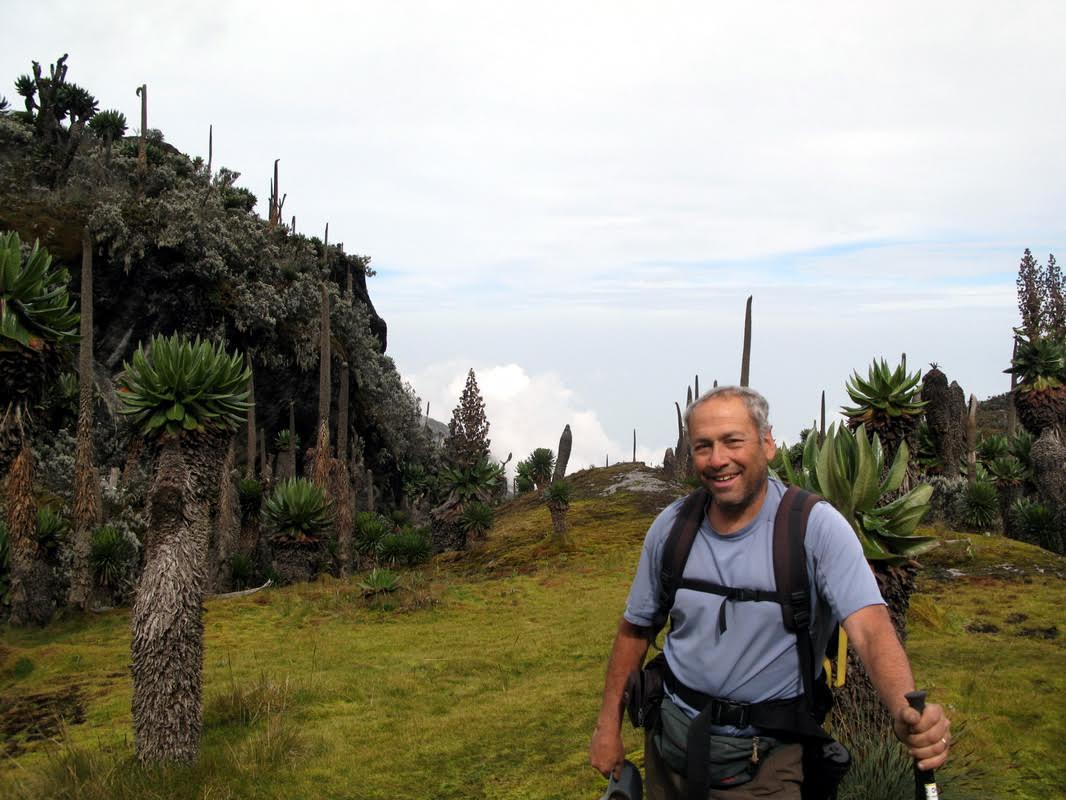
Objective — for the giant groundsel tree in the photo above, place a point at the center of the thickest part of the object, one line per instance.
(187, 397)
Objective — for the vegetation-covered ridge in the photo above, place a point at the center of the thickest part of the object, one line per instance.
(178, 248)
(480, 676)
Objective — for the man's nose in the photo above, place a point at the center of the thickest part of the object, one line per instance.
(717, 457)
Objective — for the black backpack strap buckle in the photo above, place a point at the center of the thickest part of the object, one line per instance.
(725, 712)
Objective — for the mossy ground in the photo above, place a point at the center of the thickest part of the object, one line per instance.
(482, 678)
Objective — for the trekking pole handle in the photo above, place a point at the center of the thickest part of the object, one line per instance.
(924, 779)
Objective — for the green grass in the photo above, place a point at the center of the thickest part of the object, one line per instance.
(481, 677)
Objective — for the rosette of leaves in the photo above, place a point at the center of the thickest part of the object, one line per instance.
(541, 463)
(370, 529)
(991, 447)
(925, 448)
(980, 506)
(848, 469)
(111, 558)
(1040, 396)
(242, 571)
(178, 386)
(409, 547)
(1020, 447)
(476, 519)
(249, 497)
(1034, 523)
(478, 482)
(1006, 470)
(886, 403)
(379, 581)
(298, 512)
(36, 319)
(286, 439)
(524, 481)
(109, 125)
(52, 530)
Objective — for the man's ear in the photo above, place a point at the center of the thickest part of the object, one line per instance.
(769, 445)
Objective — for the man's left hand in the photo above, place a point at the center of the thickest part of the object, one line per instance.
(926, 735)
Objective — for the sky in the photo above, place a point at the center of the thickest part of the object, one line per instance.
(575, 198)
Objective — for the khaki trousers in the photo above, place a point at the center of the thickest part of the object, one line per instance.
(779, 777)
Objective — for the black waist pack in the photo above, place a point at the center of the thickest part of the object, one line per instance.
(644, 693)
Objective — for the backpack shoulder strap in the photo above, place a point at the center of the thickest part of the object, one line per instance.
(676, 551)
(790, 575)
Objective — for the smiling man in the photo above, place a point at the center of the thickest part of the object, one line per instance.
(730, 668)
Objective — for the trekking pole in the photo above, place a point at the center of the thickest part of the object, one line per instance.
(924, 780)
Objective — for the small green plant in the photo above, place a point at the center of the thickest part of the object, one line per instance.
(370, 529)
(286, 439)
(476, 519)
(541, 464)
(242, 571)
(1035, 523)
(409, 547)
(379, 581)
(111, 558)
(991, 447)
(250, 497)
(980, 506)
(558, 493)
(523, 475)
(1006, 470)
(52, 529)
(298, 512)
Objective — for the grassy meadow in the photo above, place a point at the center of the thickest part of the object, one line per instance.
(481, 678)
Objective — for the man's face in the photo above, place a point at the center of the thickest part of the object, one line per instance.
(729, 455)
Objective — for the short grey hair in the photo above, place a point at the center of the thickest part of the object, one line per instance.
(755, 402)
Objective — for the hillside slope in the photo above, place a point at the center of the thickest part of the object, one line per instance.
(482, 678)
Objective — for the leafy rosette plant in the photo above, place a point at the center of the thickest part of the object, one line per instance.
(36, 320)
(299, 512)
(1040, 396)
(34, 305)
(886, 402)
(847, 469)
(479, 482)
(179, 386)
(477, 519)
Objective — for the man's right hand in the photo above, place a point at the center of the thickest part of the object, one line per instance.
(606, 752)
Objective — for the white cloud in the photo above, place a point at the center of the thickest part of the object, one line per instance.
(526, 411)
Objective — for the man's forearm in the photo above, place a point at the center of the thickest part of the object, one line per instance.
(873, 636)
(627, 654)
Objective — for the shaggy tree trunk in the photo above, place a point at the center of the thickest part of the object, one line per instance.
(167, 616)
(227, 522)
(133, 461)
(858, 697)
(31, 579)
(321, 470)
(560, 525)
(86, 478)
(669, 464)
(249, 471)
(1049, 474)
(945, 416)
(344, 516)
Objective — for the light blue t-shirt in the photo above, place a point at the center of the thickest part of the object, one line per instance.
(755, 659)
